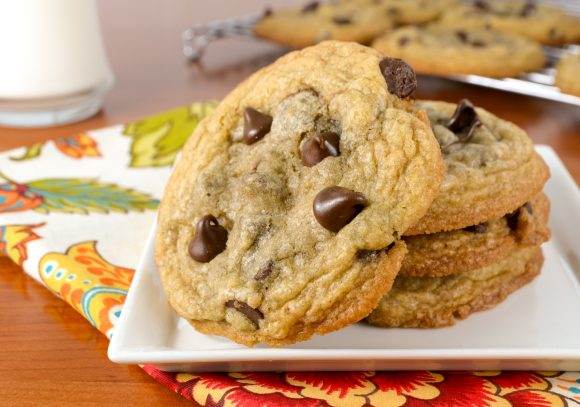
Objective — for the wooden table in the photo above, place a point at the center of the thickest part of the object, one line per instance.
(48, 352)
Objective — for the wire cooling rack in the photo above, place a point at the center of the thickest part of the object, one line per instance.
(539, 83)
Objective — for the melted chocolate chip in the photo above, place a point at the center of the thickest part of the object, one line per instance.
(404, 41)
(513, 219)
(477, 44)
(209, 240)
(464, 120)
(481, 228)
(256, 125)
(310, 7)
(265, 271)
(393, 11)
(335, 207)
(252, 314)
(400, 77)
(342, 20)
(462, 35)
(320, 146)
(481, 5)
(528, 207)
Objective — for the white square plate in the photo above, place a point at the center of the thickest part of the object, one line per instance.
(538, 327)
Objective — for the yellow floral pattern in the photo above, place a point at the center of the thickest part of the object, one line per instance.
(84, 279)
(14, 239)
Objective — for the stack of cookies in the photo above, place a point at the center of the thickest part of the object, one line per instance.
(480, 239)
(494, 38)
(318, 194)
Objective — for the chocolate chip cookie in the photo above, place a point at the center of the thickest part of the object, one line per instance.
(567, 71)
(318, 21)
(458, 251)
(491, 167)
(282, 218)
(429, 302)
(437, 50)
(543, 23)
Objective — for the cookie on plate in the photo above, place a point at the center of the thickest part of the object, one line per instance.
(414, 11)
(282, 216)
(543, 23)
(437, 50)
(491, 167)
(567, 71)
(458, 251)
(429, 302)
(317, 21)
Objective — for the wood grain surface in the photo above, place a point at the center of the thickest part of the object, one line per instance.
(48, 353)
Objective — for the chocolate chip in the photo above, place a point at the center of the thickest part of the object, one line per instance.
(265, 271)
(393, 11)
(464, 119)
(310, 7)
(528, 9)
(335, 207)
(529, 208)
(477, 44)
(320, 146)
(400, 77)
(252, 314)
(481, 5)
(513, 219)
(342, 20)
(462, 35)
(267, 12)
(481, 228)
(256, 125)
(404, 41)
(209, 240)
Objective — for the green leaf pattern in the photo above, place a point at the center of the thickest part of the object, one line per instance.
(156, 140)
(78, 195)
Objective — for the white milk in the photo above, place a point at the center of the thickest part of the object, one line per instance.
(52, 61)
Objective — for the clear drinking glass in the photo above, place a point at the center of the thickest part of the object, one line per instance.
(53, 66)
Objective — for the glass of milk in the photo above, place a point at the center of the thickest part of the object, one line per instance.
(53, 66)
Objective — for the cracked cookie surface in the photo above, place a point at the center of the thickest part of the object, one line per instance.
(437, 50)
(491, 167)
(458, 251)
(256, 173)
(317, 21)
(430, 302)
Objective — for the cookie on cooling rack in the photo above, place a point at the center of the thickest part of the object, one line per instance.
(543, 23)
(567, 71)
(319, 21)
(438, 50)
